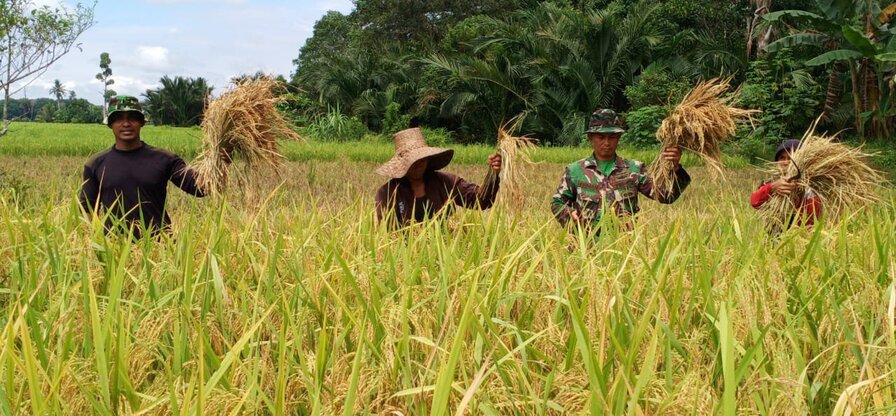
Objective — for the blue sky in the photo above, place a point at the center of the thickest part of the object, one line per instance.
(214, 39)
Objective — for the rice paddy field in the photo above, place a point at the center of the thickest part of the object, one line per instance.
(289, 298)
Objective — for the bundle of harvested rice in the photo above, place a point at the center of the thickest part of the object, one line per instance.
(514, 151)
(242, 123)
(700, 123)
(837, 174)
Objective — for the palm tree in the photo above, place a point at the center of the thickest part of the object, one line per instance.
(178, 102)
(553, 64)
(856, 38)
(58, 91)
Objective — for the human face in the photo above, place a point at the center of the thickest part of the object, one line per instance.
(784, 161)
(417, 170)
(604, 145)
(126, 128)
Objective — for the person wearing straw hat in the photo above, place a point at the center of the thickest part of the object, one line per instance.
(417, 190)
(808, 205)
(130, 179)
(604, 180)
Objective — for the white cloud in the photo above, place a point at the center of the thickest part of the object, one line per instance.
(152, 58)
(213, 39)
(130, 85)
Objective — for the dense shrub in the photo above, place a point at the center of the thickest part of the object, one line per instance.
(337, 127)
(642, 124)
(394, 120)
(573, 131)
(787, 94)
(657, 88)
(298, 108)
(437, 137)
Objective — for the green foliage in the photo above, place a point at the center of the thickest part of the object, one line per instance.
(754, 149)
(469, 67)
(337, 127)
(418, 25)
(83, 140)
(548, 62)
(23, 109)
(34, 37)
(437, 137)
(78, 111)
(58, 91)
(462, 36)
(395, 120)
(657, 88)
(333, 36)
(855, 38)
(179, 102)
(787, 94)
(573, 131)
(47, 114)
(298, 108)
(105, 77)
(642, 124)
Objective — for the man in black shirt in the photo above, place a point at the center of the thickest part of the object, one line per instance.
(130, 179)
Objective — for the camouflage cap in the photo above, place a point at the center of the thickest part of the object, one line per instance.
(604, 120)
(124, 103)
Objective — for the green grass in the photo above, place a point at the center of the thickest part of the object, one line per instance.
(300, 303)
(48, 139)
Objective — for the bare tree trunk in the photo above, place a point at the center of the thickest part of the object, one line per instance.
(105, 103)
(5, 127)
(762, 8)
(6, 87)
(832, 95)
(872, 96)
(856, 97)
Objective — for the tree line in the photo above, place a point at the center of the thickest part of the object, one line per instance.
(463, 69)
(468, 69)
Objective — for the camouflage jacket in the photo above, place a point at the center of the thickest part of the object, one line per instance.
(587, 191)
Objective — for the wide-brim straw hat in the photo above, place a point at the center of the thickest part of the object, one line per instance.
(410, 146)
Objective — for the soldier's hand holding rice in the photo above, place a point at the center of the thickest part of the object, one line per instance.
(605, 180)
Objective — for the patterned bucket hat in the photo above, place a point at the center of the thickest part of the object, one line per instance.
(410, 146)
(604, 121)
(122, 104)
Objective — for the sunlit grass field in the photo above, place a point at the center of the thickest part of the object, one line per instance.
(298, 302)
(48, 139)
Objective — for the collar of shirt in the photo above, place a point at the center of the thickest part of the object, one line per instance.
(604, 168)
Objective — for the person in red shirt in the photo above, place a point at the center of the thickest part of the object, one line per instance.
(808, 205)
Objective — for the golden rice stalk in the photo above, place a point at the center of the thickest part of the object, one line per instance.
(244, 124)
(514, 152)
(700, 123)
(838, 175)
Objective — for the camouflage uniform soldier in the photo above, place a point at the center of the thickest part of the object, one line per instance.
(605, 181)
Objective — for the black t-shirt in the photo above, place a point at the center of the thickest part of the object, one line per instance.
(134, 184)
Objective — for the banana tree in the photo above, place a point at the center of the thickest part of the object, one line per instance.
(855, 37)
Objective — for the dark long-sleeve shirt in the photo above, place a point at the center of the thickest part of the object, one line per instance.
(395, 200)
(134, 184)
